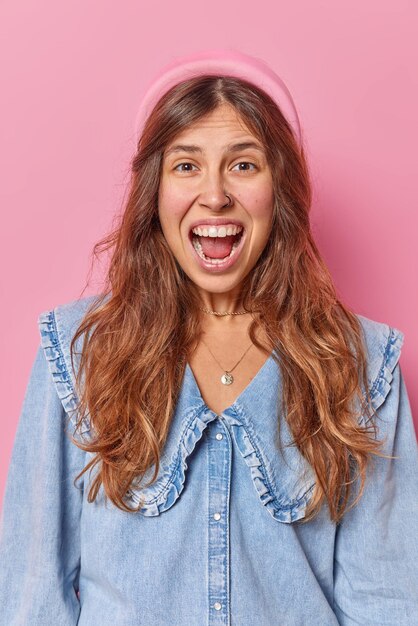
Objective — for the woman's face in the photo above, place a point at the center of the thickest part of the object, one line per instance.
(215, 156)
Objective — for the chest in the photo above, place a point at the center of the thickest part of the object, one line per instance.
(208, 369)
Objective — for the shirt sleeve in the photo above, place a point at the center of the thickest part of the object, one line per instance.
(39, 530)
(376, 550)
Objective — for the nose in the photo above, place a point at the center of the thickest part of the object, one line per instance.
(213, 194)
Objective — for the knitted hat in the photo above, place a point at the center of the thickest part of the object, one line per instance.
(226, 63)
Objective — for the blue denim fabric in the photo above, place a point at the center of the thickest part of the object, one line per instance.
(217, 541)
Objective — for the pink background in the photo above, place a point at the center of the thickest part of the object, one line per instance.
(72, 77)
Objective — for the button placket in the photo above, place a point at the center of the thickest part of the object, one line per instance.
(219, 477)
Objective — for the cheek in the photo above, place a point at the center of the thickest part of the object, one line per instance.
(171, 205)
(260, 204)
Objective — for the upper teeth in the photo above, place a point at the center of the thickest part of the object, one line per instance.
(217, 231)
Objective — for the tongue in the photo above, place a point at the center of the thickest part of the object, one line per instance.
(217, 247)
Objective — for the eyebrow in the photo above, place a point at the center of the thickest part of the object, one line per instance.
(235, 147)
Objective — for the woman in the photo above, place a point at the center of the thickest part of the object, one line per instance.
(239, 447)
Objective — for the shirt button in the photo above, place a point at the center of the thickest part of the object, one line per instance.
(217, 606)
(219, 436)
(217, 516)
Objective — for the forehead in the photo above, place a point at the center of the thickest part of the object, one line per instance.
(220, 127)
(224, 117)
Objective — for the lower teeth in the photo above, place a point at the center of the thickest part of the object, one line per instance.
(198, 247)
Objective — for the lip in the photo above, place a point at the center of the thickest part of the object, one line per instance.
(220, 267)
(215, 221)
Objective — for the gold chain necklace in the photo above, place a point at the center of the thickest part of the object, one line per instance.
(227, 378)
(224, 313)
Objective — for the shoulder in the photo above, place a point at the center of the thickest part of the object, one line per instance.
(57, 327)
(383, 350)
(64, 319)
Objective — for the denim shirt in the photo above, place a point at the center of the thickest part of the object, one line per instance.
(218, 540)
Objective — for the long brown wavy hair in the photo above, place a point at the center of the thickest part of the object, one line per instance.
(138, 334)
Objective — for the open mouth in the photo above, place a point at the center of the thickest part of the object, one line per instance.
(216, 246)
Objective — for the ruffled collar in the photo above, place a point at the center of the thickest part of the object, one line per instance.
(283, 482)
(282, 478)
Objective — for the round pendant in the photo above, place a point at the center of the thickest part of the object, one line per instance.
(227, 378)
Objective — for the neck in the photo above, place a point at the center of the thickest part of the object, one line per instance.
(229, 302)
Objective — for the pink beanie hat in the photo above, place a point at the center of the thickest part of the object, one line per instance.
(226, 63)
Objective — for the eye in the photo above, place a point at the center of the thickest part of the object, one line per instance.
(180, 165)
(245, 169)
